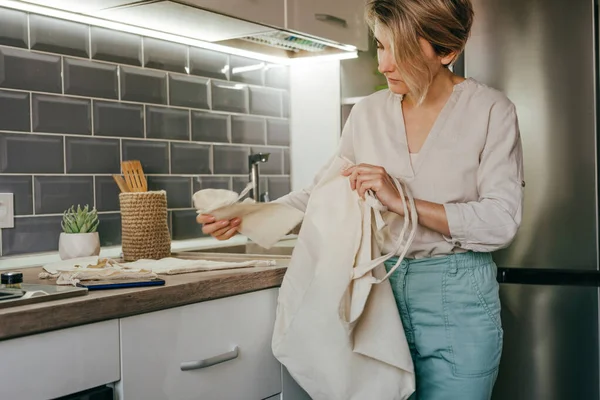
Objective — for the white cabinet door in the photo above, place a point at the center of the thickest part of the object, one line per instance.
(269, 12)
(291, 389)
(171, 354)
(59, 363)
(338, 20)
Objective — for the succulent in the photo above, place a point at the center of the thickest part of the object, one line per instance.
(81, 220)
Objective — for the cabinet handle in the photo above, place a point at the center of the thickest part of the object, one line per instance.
(331, 18)
(209, 362)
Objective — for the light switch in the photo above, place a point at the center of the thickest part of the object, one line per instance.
(7, 210)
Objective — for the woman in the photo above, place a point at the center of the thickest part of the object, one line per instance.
(456, 144)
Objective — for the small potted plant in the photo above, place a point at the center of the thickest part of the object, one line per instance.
(80, 233)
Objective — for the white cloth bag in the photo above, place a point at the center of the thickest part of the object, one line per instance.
(263, 223)
(337, 327)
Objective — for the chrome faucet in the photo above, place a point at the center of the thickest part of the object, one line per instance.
(253, 161)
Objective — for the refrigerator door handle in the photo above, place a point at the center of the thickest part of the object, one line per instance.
(541, 276)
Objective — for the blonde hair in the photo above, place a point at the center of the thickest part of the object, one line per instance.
(445, 24)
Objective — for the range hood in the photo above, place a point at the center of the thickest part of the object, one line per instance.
(176, 21)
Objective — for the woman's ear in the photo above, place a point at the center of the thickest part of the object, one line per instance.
(449, 58)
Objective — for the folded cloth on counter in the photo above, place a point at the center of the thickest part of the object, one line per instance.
(74, 263)
(71, 272)
(173, 266)
(263, 223)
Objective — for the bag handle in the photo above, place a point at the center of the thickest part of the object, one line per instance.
(412, 221)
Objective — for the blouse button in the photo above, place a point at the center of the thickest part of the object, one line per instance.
(457, 244)
(522, 183)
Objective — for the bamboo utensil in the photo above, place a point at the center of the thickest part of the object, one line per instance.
(121, 183)
(134, 176)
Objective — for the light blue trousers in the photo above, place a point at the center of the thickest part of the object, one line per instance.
(450, 309)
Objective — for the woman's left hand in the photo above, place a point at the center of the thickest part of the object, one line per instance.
(365, 177)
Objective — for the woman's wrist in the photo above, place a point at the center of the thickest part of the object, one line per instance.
(398, 206)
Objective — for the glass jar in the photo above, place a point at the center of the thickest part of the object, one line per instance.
(11, 280)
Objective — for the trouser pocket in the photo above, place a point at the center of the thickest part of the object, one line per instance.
(472, 318)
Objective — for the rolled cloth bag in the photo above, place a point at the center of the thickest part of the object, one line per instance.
(144, 226)
(263, 223)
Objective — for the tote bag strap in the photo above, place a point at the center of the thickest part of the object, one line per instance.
(403, 242)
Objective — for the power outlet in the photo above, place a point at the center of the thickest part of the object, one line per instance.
(7, 210)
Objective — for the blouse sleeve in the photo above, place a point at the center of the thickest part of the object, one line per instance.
(491, 223)
(299, 199)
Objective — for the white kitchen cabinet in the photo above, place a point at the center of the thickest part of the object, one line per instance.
(59, 363)
(338, 20)
(269, 12)
(79, 5)
(315, 126)
(291, 389)
(157, 347)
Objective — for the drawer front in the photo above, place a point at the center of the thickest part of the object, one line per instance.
(58, 363)
(235, 330)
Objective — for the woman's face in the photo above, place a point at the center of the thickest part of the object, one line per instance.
(387, 63)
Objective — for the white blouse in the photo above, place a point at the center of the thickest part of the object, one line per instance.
(471, 162)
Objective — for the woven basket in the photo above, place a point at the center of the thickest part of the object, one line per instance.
(144, 227)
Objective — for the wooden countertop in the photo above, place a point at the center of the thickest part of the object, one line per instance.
(104, 305)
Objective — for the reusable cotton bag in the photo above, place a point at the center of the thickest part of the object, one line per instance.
(337, 329)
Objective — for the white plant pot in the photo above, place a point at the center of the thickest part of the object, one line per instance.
(75, 245)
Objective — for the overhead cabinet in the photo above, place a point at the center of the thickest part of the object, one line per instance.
(268, 12)
(341, 21)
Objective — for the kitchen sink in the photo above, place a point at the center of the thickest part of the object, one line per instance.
(284, 248)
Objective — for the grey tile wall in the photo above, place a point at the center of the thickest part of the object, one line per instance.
(92, 155)
(165, 55)
(26, 70)
(107, 194)
(153, 155)
(118, 119)
(167, 123)
(118, 47)
(178, 188)
(77, 100)
(188, 91)
(61, 114)
(21, 187)
(13, 30)
(57, 36)
(265, 101)
(54, 194)
(93, 79)
(208, 127)
(15, 115)
(248, 130)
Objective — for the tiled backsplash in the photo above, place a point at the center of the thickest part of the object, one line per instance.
(76, 100)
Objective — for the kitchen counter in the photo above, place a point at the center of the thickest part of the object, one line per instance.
(104, 305)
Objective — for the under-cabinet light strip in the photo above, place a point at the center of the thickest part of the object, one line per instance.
(52, 12)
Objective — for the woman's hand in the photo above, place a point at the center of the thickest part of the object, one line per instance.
(221, 230)
(365, 177)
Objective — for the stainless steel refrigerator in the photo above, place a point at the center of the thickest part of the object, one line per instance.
(543, 55)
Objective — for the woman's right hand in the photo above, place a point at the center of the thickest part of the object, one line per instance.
(221, 230)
